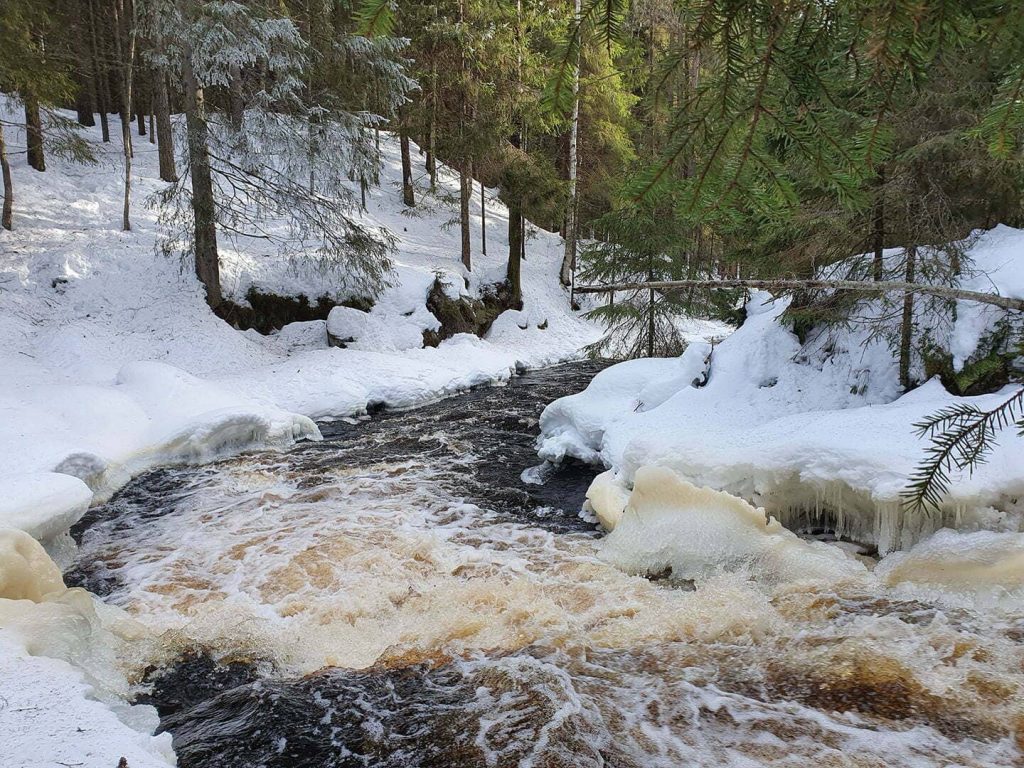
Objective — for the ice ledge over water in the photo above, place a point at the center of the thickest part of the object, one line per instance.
(784, 428)
(42, 504)
(669, 526)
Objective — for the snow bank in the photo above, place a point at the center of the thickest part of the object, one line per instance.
(62, 695)
(43, 504)
(670, 525)
(816, 433)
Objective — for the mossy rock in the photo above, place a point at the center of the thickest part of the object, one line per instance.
(269, 312)
(977, 377)
(463, 315)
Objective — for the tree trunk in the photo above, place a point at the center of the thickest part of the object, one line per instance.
(34, 132)
(126, 58)
(408, 196)
(907, 324)
(483, 221)
(569, 259)
(879, 226)
(86, 90)
(164, 134)
(6, 219)
(650, 308)
(515, 251)
(432, 130)
(431, 155)
(141, 118)
(203, 206)
(123, 80)
(860, 286)
(152, 125)
(465, 191)
(99, 74)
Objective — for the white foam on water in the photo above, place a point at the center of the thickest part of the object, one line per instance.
(786, 653)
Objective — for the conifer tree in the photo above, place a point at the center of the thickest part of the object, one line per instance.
(251, 169)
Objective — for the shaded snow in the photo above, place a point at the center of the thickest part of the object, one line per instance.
(818, 433)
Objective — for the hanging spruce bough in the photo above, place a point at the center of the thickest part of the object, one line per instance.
(280, 164)
(962, 437)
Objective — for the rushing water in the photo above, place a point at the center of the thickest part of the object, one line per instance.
(398, 596)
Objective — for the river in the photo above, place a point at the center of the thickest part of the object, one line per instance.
(398, 595)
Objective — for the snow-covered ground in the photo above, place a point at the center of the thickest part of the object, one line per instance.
(813, 433)
(111, 362)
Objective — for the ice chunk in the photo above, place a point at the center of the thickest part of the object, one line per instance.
(607, 498)
(43, 504)
(70, 702)
(697, 533)
(26, 571)
(960, 561)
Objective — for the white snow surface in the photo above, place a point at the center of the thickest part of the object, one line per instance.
(111, 363)
(43, 504)
(813, 432)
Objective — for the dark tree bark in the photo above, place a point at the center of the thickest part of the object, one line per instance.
(483, 221)
(879, 226)
(203, 205)
(99, 73)
(87, 101)
(6, 219)
(465, 191)
(34, 132)
(513, 273)
(408, 195)
(85, 91)
(124, 68)
(432, 132)
(140, 117)
(164, 134)
(907, 324)
(431, 160)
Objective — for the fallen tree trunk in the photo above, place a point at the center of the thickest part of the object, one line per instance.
(882, 286)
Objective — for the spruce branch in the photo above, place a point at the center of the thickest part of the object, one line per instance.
(962, 437)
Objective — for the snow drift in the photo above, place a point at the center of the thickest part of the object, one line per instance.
(816, 433)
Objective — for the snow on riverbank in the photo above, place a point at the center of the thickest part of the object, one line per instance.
(814, 438)
(111, 363)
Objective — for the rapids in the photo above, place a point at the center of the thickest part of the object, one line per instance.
(402, 594)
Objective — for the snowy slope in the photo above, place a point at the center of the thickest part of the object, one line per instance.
(814, 438)
(110, 361)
